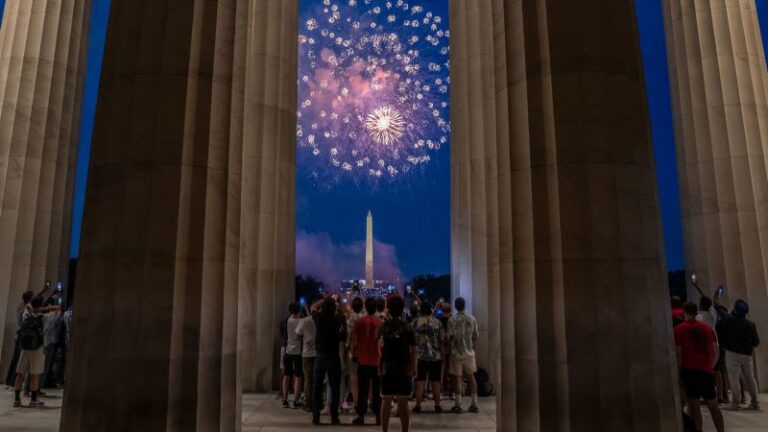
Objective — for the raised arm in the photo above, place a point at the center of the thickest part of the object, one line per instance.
(696, 284)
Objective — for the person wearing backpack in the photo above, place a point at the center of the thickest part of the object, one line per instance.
(35, 319)
(397, 367)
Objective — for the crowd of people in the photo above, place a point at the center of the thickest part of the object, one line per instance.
(371, 354)
(715, 349)
(39, 346)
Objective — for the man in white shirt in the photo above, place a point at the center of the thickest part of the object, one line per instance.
(306, 330)
(292, 361)
(462, 335)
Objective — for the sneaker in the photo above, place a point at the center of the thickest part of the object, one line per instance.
(438, 409)
(417, 409)
(16, 403)
(457, 410)
(474, 409)
(36, 404)
(296, 405)
(286, 404)
(754, 407)
(358, 421)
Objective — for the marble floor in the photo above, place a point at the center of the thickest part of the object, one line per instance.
(263, 413)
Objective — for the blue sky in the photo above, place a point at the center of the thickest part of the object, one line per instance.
(412, 216)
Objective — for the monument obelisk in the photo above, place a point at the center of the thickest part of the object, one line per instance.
(369, 252)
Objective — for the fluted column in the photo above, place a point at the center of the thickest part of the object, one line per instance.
(552, 156)
(155, 326)
(42, 65)
(268, 212)
(720, 105)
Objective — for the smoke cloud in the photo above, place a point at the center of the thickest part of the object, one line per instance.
(317, 255)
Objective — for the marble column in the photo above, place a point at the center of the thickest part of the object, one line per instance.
(556, 205)
(719, 86)
(42, 65)
(154, 335)
(268, 211)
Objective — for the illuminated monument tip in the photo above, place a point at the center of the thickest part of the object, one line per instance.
(369, 251)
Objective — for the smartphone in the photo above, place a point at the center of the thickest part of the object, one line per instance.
(408, 289)
(693, 277)
(302, 301)
(59, 286)
(720, 290)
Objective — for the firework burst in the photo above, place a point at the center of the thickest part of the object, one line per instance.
(373, 87)
(385, 125)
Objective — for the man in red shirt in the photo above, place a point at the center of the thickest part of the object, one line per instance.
(697, 354)
(367, 353)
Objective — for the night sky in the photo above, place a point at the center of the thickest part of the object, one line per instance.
(412, 224)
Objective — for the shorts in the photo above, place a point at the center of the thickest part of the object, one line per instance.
(431, 370)
(351, 368)
(292, 365)
(396, 385)
(462, 366)
(31, 362)
(698, 384)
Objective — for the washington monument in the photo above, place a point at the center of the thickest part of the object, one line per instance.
(369, 252)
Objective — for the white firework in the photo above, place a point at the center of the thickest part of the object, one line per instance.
(385, 125)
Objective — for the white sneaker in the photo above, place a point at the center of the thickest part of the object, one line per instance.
(754, 407)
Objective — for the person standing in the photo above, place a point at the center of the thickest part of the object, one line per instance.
(397, 366)
(292, 365)
(330, 332)
(429, 339)
(740, 338)
(10, 377)
(306, 330)
(463, 333)
(445, 307)
(35, 319)
(367, 354)
(697, 355)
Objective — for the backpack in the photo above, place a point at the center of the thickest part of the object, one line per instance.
(395, 348)
(31, 332)
(484, 386)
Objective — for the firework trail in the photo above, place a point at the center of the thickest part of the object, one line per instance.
(373, 87)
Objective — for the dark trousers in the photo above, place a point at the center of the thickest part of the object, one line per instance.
(368, 378)
(47, 380)
(330, 365)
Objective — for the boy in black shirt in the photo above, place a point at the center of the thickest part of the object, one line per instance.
(397, 369)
